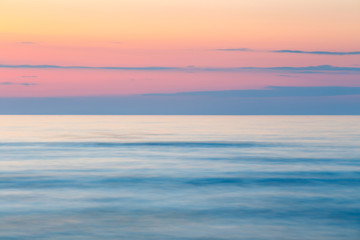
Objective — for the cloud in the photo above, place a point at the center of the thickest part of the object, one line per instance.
(317, 52)
(29, 76)
(307, 69)
(26, 42)
(190, 69)
(287, 76)
(28, 84)
(6, 83)
(90, 67)
(274, 91)
(15, 83)
(236, 49)
(290, 51)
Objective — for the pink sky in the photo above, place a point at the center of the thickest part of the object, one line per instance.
(146, 33)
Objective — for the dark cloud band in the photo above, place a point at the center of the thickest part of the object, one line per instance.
(268, 101)
(275, 91)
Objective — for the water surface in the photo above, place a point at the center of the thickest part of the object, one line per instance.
(180, 177)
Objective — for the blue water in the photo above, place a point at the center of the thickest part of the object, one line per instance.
(180, 177)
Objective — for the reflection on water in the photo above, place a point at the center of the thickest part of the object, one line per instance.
(180, 177)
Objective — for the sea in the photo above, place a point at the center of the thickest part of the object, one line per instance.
(179, 177)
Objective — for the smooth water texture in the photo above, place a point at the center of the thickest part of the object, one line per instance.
(180, 177)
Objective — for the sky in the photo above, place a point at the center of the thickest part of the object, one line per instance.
(179, 57)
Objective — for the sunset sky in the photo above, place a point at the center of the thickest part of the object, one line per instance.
(124, 54)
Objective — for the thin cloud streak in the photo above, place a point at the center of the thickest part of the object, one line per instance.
(26, 42)
(317, 52)
(21, 84)
(190, 69)
(290, 51)
(89, 67)
(236, 49)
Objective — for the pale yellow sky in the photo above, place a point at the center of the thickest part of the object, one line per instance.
(188, 23)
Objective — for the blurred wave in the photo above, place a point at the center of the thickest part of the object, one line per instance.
(139, 144)
(169, 178)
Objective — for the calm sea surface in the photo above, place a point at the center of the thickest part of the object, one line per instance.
(180, 177)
